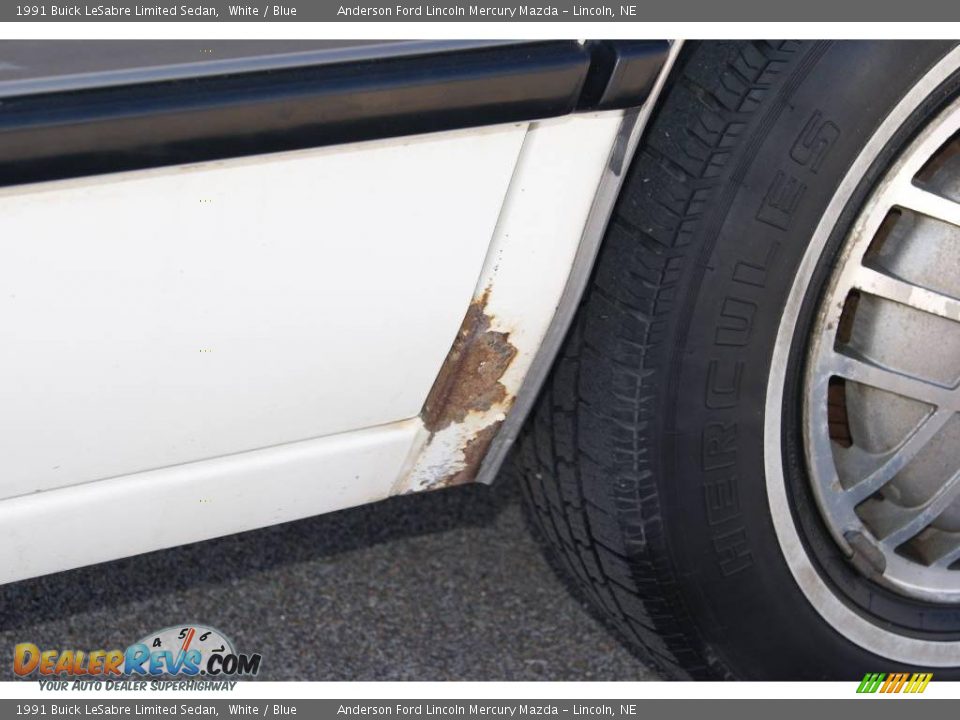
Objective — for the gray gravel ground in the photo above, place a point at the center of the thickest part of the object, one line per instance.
(445, 586)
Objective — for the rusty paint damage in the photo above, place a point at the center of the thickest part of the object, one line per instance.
(466, 405)
(469, 380)
(473, 453)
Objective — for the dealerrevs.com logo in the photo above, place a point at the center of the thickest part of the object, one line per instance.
(181, 651)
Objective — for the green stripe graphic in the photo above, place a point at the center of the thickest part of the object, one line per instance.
(871, 682)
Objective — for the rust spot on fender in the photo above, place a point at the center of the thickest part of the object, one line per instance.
(469, 379)
(466, 405)
(473, 453)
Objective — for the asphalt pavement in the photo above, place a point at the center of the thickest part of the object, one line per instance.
(449, 585)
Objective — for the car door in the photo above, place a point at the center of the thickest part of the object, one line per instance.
(235, 274)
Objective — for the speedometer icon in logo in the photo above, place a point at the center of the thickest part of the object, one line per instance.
(190, 650)
(182, 639)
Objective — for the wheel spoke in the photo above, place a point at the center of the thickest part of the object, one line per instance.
(876, 470)
(896, 524)
(866, 373)
(950, 554)
(904, 293)
(927, 203)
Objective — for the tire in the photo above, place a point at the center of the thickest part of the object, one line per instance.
(643, 463)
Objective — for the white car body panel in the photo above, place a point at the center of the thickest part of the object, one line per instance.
(322, 350)
(162, 317)
(56, 530)
(526, 269)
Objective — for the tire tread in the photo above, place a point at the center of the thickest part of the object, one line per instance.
(587, 455)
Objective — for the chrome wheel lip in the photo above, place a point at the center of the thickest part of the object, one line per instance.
(852, 625)
(837, 502)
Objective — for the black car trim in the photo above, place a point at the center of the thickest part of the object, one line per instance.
(91, 131)
(32, 67)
